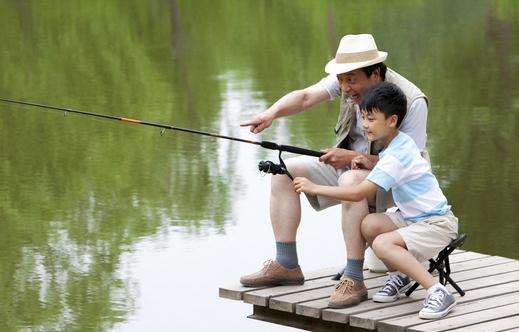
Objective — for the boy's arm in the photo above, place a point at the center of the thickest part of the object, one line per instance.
(351, 193)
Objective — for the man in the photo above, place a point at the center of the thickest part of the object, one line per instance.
(357, 66)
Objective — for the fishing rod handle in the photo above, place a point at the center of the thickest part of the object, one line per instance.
(290, 148)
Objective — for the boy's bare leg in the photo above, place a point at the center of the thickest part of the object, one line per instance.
(391, 249)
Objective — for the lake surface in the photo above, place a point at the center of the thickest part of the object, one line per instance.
(106, 226)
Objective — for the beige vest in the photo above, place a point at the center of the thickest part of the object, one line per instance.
(347, 115)
(347, 120)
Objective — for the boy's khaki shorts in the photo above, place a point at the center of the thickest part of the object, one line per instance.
(425, 239)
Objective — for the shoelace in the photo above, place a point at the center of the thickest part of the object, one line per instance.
(345, 285)
(392, 284)
(267, 264)
(434, 301)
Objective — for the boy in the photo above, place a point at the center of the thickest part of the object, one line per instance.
(421, 227)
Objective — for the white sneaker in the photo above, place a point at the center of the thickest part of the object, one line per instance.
(437, 304)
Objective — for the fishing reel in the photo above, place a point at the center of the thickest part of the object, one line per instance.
(268, 166)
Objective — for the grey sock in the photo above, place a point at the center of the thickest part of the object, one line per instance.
(353, 269)
(286, 254)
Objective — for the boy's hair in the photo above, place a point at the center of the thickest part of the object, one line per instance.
(387, 98)
(370, 69)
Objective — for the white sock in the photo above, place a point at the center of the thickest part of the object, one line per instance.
(434, 287)
(397, 273)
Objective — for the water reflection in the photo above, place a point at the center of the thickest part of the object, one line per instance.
(82, 201)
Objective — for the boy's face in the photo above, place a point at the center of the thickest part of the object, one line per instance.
(377, 126)
(356, 82)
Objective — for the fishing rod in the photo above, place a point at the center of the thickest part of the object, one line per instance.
(264, 166)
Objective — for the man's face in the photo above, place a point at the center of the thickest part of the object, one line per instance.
(354, 83)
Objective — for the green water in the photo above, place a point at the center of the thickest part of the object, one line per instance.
(81, 198)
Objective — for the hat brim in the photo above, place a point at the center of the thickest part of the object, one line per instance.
(339, 68)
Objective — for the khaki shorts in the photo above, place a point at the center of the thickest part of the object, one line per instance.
(322, 174)
(426, 238)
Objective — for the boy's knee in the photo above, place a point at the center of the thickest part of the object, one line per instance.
(381, 244)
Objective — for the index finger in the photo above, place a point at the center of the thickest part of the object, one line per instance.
(250, 123)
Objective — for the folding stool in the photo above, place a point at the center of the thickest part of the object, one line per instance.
(441, 264)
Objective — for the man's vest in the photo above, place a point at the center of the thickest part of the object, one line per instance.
(347, 115)
(347, 121)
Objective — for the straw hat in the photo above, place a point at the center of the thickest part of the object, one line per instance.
(354, 52)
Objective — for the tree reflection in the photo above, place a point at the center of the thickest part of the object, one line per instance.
(77, 194)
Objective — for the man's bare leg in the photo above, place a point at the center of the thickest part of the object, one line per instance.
(352, 215)
(285, 203)
(285, 216)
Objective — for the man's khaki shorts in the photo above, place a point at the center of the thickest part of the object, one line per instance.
(322, 174)
(425, 239)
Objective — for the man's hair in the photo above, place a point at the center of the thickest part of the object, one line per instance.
(370, 69)
(387, 98)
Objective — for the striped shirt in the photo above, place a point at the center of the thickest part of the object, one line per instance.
(416, 191)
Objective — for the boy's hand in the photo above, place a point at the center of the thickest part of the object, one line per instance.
(361, 162)
(303, 185)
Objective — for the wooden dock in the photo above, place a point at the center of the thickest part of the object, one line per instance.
(491, 302)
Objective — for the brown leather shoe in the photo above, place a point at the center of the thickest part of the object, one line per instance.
(273, 274)
(348, 293)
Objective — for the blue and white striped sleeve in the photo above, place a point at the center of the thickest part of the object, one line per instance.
(381, 178)
(386, 173)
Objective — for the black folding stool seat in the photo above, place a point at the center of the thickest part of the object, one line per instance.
(441, 264)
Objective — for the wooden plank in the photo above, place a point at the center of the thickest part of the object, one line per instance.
(288, 302)
(402, 323)
(468, 319)
(368, 320)
(478, 263)
(466, 256)
(469, 303)
(262, 297)
(320, 309)
(289, 319)
(342, 315)
(503, 324)
(483, 275)
(236, 292)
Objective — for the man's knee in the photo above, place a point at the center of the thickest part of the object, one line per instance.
(296, 167)
(375, 224)
(370, 228)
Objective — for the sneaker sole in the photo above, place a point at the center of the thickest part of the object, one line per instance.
(272, 284)
(384, 299)
(436, 315)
